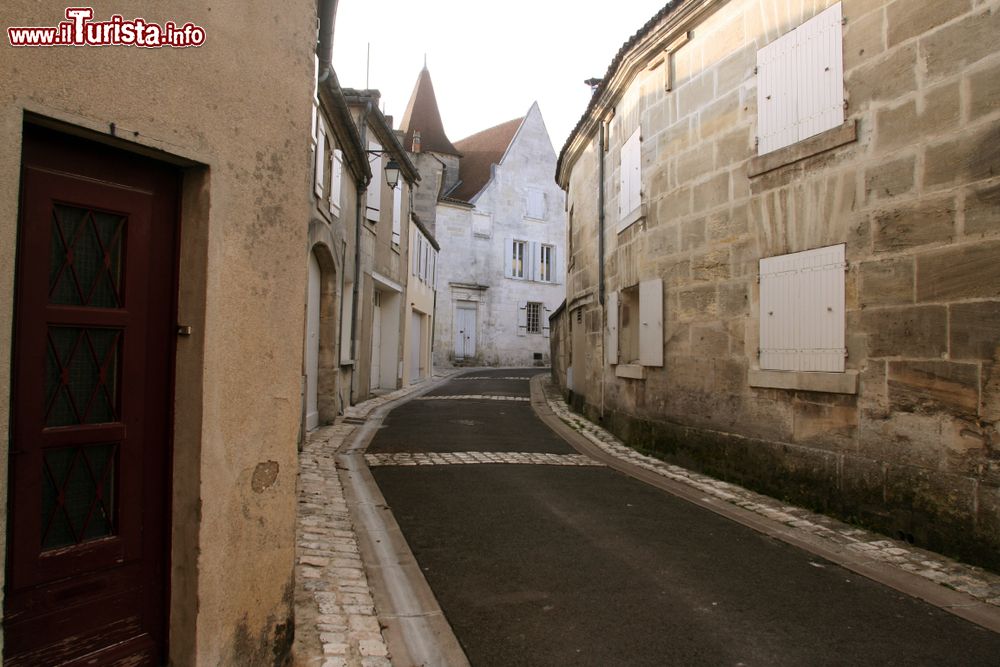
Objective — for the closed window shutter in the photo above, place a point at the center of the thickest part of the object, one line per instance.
(320, 161)
(802, 311)
(651, 322)
(415, 254)
(534, 260)
(800, 82)
(336, 174)
(374, 199)
(397, 211)
(557, 270)
(635, 175)
(346, 321)
(522, 319)
(820, 73)
(508, 258)
(611, 331)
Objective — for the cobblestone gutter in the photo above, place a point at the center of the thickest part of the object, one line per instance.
(973, 581)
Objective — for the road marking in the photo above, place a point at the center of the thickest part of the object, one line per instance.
(464, 458)
(472, 397)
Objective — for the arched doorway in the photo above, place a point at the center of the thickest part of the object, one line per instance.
(312, 342)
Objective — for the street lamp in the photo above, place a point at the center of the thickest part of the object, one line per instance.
(392, 174)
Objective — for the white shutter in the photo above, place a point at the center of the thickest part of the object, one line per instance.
(508, 258)
(533, 270)
(802, 311)
(630, 177)
(374, 200)
(535, 204)
(320, 160)
(557, 269)
(434, 267)
(800, 82)
(545, 320)
(777, 111)
(346, 320)
(336, 176)
(522, 319)
(422, 268)
(611, 333)
(397, 211)
(415, 253)
(651, 322)
(820, 73)
(635, 175)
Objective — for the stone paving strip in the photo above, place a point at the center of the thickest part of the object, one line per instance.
(336, 621)
(488, 377)
(472, 397)
(973, 581)
(460, 458)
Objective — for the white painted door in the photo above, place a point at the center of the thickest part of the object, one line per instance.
(312, 344)
(416, 346)
(376, 341)
(465, 333)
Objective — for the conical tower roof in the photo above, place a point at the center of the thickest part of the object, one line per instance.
(422, 116)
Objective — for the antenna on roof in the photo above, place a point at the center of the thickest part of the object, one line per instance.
(425, 61)
(368, 65)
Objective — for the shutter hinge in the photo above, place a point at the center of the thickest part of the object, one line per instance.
(843, 20)
(756, 142)
(758, 353)
(755, 68)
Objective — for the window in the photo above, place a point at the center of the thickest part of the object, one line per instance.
(802, 311)
(516, 251)
(800, 82)
(630, 181)
(634, 332)
(374, 198)
(532, 318)
(546, 272)
(336, 180)
(534, 310)
(534, 204)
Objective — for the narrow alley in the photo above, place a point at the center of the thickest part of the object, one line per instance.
(539, 555)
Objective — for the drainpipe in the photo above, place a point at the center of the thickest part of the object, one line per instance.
(602, 138)
(359, 217)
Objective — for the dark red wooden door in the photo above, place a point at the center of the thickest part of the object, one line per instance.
(93, 366)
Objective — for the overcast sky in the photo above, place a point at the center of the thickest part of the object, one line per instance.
(488, 60)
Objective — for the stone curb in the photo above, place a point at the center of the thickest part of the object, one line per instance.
(337, 624)
(976, 583)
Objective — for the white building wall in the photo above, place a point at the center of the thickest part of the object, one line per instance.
(471, 262)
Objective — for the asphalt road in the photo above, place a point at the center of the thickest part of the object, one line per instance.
(553, 565)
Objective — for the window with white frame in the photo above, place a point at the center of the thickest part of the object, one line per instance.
(515, 264)
(630, 181)
(321, 158)
(800, 82)
(533, 318)
(374, 197)
(534, 204)
(546, 270)
(634, 333)
(802, 311)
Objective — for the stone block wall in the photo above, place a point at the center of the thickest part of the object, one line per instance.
(911, 185)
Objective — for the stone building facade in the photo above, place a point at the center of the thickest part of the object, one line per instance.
(784, 265)
(151, 284)
(500, 221)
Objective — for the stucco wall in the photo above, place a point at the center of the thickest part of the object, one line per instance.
(914, 199)
(470, 259)
(244, 114)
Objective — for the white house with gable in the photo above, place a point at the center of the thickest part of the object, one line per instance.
(493, 205)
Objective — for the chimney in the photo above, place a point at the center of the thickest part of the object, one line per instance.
(416, 141)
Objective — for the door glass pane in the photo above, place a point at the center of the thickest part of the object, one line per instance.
(81, 376)
(78, 494)
(85, 266)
